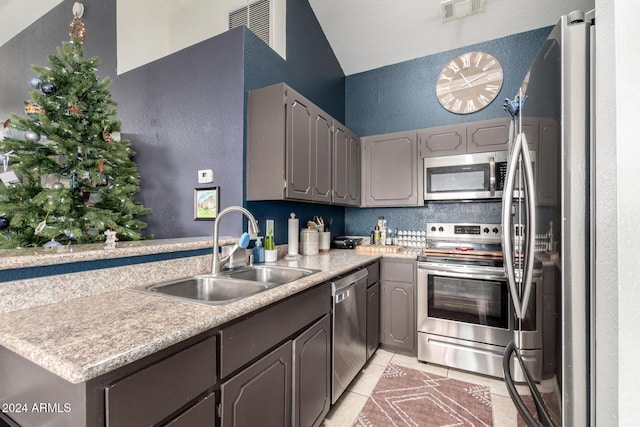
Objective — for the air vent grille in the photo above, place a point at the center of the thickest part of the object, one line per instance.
(256, 17)
(456, 9)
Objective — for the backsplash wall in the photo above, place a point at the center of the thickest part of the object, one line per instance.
(360, 222)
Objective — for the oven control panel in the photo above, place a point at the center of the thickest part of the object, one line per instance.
(464, 231)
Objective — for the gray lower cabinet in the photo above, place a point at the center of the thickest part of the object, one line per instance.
(397, 304)
(390, 173)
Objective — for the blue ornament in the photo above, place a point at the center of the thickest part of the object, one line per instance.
(35, 82)
(47, 88)
(4, 222)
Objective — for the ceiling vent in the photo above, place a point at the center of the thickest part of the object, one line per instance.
(255, 17)
(456, 9)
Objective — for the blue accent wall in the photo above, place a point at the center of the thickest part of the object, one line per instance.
(312, 69)
(402, 97)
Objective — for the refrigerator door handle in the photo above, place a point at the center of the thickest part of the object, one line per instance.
(530, 230)
(507, 200)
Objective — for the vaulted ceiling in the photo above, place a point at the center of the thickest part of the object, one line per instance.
(368, 34)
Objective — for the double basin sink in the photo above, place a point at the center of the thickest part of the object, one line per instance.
(228, 286)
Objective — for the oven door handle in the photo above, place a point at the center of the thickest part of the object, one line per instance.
(464, 274)
(492, 176)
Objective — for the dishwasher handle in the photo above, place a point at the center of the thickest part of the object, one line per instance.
(343, 282)
(343, 294)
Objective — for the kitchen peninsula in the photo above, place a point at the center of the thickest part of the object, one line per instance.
(82, 334)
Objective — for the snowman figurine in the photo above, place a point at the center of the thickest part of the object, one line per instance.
(110, 240)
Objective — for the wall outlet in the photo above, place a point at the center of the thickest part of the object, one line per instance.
(205, 176)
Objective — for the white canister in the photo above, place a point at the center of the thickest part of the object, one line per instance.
(325, 241)
(309, 241)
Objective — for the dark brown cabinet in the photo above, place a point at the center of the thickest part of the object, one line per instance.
(291, 384)
(390, 175)
(154, 393)
(293, 147)
(398, 327)
(261, 393)
(312, 374)
(373, 308)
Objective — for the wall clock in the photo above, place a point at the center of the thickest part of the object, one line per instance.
(469, 82)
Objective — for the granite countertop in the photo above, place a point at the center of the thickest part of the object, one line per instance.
(83, 338)
(36, 257)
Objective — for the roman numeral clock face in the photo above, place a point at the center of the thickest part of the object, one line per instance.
(469, 82)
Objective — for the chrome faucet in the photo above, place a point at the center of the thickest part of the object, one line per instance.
(219, 262)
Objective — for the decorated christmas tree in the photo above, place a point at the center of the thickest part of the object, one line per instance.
(65, 177)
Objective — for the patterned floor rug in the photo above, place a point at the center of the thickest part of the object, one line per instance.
(406, 397)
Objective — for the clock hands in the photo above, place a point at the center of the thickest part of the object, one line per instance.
(470, 80)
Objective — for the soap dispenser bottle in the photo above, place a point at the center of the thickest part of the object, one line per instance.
(258, 251)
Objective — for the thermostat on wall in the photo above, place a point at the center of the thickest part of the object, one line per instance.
(205, 176)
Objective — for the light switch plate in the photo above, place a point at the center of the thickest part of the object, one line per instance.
(205, 176)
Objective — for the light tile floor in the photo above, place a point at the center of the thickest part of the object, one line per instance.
(345, 411)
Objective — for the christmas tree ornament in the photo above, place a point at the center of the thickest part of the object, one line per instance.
(107, 137)
(31, 135)
(41, 225)
(47, 88)
(4, 222)
(110, 239)
(76, 29)
(35, 82)
(73, 110)
(57, 185)
(32, 109)
(51, 244)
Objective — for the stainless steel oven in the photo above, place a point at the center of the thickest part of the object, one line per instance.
(465, 314)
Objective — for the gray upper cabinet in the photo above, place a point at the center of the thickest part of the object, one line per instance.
(443, 141)
(390, 170)
(290, 150)
(308, 150)
(465, 138)
(346, 166)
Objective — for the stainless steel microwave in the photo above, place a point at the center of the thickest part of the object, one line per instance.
(465, 177)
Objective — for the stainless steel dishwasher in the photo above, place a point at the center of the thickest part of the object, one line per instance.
(349, 295)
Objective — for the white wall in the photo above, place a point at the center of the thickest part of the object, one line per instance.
(617, 336)
(151, 29)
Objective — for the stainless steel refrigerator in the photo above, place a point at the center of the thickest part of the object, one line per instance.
(547, 211)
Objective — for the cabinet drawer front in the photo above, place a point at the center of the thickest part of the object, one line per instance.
(150, 395)
(202, 414)
(403, 271)
(243, 341)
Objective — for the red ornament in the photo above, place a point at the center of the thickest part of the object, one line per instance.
(74, 110)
